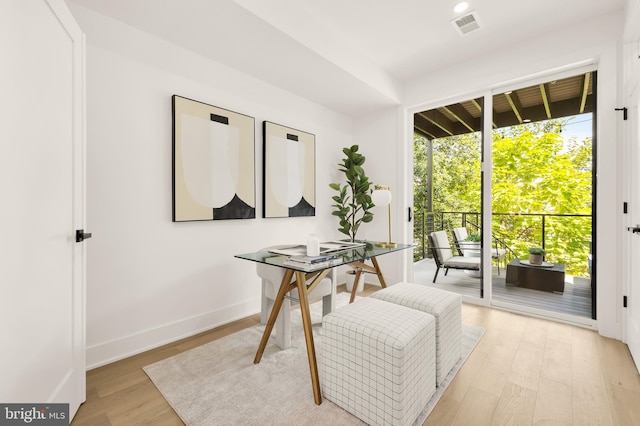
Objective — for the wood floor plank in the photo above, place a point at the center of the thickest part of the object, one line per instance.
(556, 364)
(461, 384)
(554, 403)
(590, 405)
(619, 363)
(490, 380)
(515, 407)
(443, 413)
(476, 409)
(526, 367)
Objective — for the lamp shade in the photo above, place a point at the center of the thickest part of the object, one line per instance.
(381, 195)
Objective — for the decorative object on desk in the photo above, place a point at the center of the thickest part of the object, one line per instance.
(289, 188)
(536, 255)
(213, 162)
(350, 277)
(353, 202)
(381, 196)
(307, 267)
(314, 259)
(218, 383)
(313, 245)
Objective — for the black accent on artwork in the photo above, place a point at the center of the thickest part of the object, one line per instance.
(303, 208)
(220, 119)
(292, 137)
(235, 209)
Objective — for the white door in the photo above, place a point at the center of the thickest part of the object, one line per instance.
(633, 290)
(42, 204)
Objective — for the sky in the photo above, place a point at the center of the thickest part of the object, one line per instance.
(579, 126)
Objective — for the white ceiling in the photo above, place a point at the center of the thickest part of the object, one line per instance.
(350, 55)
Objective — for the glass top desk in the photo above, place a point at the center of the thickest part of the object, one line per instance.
(306, 280)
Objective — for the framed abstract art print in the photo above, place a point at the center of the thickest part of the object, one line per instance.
(213, 162)
(289, 184)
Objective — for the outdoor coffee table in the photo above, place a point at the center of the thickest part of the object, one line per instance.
(546, 277)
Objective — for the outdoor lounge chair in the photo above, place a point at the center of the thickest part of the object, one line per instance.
(443, 255)
(497, 254)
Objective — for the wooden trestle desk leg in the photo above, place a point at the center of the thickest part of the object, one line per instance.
(285, 287)
(383, 283)
(308, 334)
(361, 266)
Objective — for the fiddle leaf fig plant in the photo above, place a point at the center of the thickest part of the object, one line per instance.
(353, 202)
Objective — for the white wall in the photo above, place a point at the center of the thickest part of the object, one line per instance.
(590, 42)
(149, 280)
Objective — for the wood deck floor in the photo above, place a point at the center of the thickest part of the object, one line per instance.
(576, 299)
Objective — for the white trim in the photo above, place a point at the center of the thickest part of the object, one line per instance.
(558, 73)
(487, 196)
(133, 344)
(548, 315)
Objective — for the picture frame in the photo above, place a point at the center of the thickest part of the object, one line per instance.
(213, 167)
(289, 167)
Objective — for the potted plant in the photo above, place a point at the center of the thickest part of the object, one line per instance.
(353, 203)
(536, 255)
(471, 245)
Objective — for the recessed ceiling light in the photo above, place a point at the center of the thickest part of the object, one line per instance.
(460, 7)
(526, 120)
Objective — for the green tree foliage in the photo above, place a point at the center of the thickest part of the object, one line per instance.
(535, 173)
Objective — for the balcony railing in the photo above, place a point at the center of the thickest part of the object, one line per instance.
(565, 237)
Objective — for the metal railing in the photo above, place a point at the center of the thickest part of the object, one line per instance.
(565, 237)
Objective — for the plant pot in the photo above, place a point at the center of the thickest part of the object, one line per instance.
(470, 248)
(535, 259)
(350, 276)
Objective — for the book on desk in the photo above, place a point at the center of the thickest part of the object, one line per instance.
(325, 248)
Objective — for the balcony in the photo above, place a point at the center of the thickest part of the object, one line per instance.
(565, 237)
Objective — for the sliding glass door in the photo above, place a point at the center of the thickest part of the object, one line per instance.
(448, 197)
(542, 197)
(538, 194)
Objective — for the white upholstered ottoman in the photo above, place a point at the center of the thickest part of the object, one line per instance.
(445, 306)
(378, 361)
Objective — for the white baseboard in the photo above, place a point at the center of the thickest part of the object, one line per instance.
(124, 347)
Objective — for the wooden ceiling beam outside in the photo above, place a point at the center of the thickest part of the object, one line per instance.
(585, 91)
(514, 102)
(456, 119)
(462, 116)
(439, 120)
(560, 109)
(544, 89)
(477, 105)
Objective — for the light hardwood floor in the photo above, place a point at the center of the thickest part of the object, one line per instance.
(524, 371)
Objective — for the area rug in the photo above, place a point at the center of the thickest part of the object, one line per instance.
(218, 383)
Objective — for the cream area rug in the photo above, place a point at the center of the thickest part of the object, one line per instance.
(218, 383)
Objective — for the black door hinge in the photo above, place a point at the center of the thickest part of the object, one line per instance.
(624, 301)
(625, 208)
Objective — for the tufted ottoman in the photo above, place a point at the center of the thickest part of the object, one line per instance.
(378, 361)
(445, 306)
